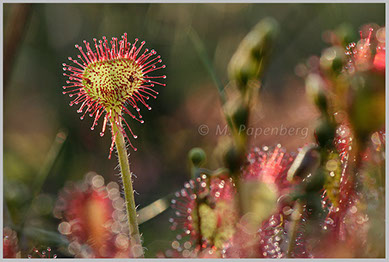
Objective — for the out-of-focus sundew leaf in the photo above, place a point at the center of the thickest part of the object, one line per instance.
(258, 201)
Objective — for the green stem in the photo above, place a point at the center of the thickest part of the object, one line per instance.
(296, 216)
(128, 192)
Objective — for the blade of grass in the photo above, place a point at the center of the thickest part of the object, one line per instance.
(14, 32)
(46, 236)
(202, 53)
(200, 49)
(52, 155)
(154, 209)
(40, 179)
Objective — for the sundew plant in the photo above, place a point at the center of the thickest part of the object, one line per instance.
(263, 142)
(106, 81)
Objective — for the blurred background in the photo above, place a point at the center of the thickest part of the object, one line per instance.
(46, 144)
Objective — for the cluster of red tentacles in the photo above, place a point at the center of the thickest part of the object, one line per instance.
(111, 79)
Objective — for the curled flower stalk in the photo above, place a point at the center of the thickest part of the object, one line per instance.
(109, 81)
